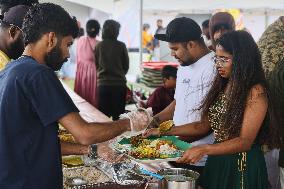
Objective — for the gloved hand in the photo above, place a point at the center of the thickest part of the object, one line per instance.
(139, 119)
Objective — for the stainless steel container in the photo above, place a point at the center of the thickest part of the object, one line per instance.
(178, 178)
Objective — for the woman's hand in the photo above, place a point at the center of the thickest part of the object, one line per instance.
(151, 132)
(194, 154)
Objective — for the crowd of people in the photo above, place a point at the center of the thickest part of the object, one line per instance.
(226, 93)
(226, 98)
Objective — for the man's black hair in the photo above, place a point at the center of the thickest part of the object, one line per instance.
(7, 4)
(48, 17)
(4, 25)
(93, 28)
(169, 71)
(205, 23)
(110, 29)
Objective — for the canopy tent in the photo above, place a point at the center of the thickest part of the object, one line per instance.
(132, 12)
(184, 5)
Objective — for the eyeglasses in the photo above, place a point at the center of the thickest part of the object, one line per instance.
(16, 27)
(11, 25)
(221, 61)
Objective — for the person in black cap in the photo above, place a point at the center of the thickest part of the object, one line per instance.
(194, 78)
(11, 37)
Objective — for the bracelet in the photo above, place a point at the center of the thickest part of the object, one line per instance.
(93, 154)
(166, 126)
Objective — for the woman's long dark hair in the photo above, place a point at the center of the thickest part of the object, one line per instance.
(246, 72)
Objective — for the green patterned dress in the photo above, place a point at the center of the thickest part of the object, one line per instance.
(245, 170)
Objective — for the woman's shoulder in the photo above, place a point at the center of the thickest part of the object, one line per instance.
(82, 38)
(257, 90)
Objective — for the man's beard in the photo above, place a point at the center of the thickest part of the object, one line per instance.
(54, 58)
(187, 62)
(17, 48)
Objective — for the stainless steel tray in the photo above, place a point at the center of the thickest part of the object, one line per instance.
(91, 176)
(111, 185)
(119, 174)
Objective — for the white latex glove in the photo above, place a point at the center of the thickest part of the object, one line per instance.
(139, 119)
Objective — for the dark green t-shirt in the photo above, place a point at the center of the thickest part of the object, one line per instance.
(112, 63)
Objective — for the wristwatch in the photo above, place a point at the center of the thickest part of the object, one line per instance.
(93, 154)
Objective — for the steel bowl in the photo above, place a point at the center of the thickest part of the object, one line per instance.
(178, 178)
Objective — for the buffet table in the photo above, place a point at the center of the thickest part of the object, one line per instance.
(106, 155)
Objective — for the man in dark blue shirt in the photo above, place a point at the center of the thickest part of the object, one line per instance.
(33, 102)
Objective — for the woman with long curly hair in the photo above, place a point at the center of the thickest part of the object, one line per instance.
(235, 110)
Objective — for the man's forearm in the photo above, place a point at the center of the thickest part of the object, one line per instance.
(100, 132)
(68, 148)
(194, 129)
(92, 133)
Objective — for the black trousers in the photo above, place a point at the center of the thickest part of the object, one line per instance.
(112, 100)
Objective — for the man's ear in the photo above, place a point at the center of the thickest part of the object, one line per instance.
(51, 40)
(164, 79)
(13, 31)
(191, 44)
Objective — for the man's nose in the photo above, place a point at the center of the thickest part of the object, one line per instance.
(68, 54)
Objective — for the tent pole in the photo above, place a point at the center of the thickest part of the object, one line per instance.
(266, 18)
(140, 30)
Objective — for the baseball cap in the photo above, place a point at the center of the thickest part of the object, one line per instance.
(181, 30)
(15, 15)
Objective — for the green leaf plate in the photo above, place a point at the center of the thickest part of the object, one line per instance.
(124, 145)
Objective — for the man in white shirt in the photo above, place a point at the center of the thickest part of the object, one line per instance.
(194, 78)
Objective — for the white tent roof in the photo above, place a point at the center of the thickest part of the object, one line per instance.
(185, 5)
(176, 5)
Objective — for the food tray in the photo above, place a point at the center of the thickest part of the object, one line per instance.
(111, 185)
(92, 175)
(108, 176)
(122, 146)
